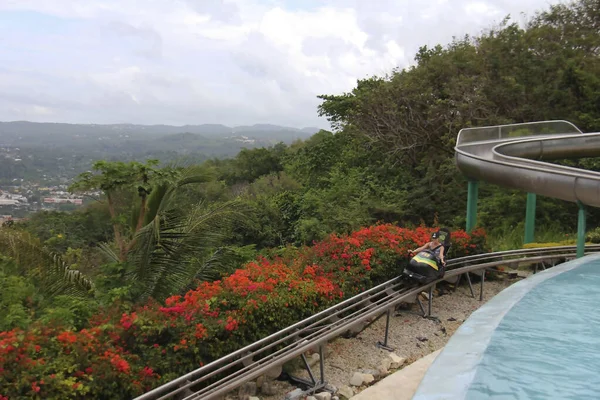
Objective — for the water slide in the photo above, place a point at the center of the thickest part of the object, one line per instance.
(517, 156)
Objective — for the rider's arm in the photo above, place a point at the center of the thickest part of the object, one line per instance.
(442, 259)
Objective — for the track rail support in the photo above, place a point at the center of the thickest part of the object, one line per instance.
(430, 300)
(422, 308)
(481, 288)
(313, 385)
(385, 345)
(470, 284)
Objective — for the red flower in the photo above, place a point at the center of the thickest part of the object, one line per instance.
(231, 325)
(312, 277)
(117, 362)
(67, 337)
(200, 331)
(128, 320)
(172, 300)
(146, 372)
(173, 310)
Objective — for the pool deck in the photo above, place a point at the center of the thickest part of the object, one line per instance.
(400, 385)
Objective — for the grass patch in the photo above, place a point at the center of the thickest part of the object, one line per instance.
(510, 237)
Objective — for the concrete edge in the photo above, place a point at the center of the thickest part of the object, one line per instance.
(402, 384)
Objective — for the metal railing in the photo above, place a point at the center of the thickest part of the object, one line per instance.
(233, 370)
(516, 131)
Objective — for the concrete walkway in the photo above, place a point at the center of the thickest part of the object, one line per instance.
(401, 385)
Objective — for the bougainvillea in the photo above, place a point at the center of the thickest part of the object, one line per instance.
(124, 353)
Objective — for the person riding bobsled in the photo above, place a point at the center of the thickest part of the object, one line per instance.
(434, 246)
(429, 263)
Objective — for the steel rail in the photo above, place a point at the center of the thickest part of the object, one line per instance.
(374, 301)
(293, 335)
(327, 314)
(312, 339)
(227, 384)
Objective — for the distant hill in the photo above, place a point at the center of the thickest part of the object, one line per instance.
(51, 151)
(59, 134)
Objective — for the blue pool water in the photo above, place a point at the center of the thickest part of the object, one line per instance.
(538, 339)
(548, 345)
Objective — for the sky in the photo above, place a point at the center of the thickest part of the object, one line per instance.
(231, 62)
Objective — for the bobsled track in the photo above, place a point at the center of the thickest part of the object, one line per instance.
(228, 373)
(508, 155)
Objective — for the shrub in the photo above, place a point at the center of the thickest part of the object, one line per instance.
(123, 354)
(593, 236)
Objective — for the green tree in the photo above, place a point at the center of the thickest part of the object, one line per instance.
(117, 180)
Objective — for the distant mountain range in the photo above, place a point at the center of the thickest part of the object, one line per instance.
(56, 151)
(126, 141)
(58, 134)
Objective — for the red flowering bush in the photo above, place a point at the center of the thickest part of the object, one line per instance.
(123, 354)
(52, 364)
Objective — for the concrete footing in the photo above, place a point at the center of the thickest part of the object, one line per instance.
(401, 385)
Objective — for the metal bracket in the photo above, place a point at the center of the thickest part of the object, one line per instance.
(384, 345)
(470, 284)
(430, 300)
(482, 281)
(313, 385)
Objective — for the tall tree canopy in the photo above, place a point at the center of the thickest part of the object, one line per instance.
(547, 69)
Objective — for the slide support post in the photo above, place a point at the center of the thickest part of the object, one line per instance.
(581, 230)
(530, 218)
(472, 205)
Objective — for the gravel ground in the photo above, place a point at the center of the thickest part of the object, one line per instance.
(410, 335)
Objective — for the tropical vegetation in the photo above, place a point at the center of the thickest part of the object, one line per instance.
(176, 265)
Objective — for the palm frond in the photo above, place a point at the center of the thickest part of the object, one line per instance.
(177, 247)
(55, 276)
(109, 252)
(195, 174)
(154, 201)
(222, 259)
(223, 215)
(160, 199)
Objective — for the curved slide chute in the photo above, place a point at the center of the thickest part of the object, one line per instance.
(517, 156)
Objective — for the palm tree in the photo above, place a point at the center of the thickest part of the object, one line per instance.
(174, 242)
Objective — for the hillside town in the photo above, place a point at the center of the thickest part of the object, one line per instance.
(18, 201)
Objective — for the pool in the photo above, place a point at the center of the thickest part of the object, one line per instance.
(537, 339)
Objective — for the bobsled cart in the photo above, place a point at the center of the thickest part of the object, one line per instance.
(426, 267)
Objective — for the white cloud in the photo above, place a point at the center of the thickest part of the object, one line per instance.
(213, 61)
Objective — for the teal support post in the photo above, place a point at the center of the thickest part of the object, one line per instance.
(472, 205)
(530, 218)
(581, 230)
